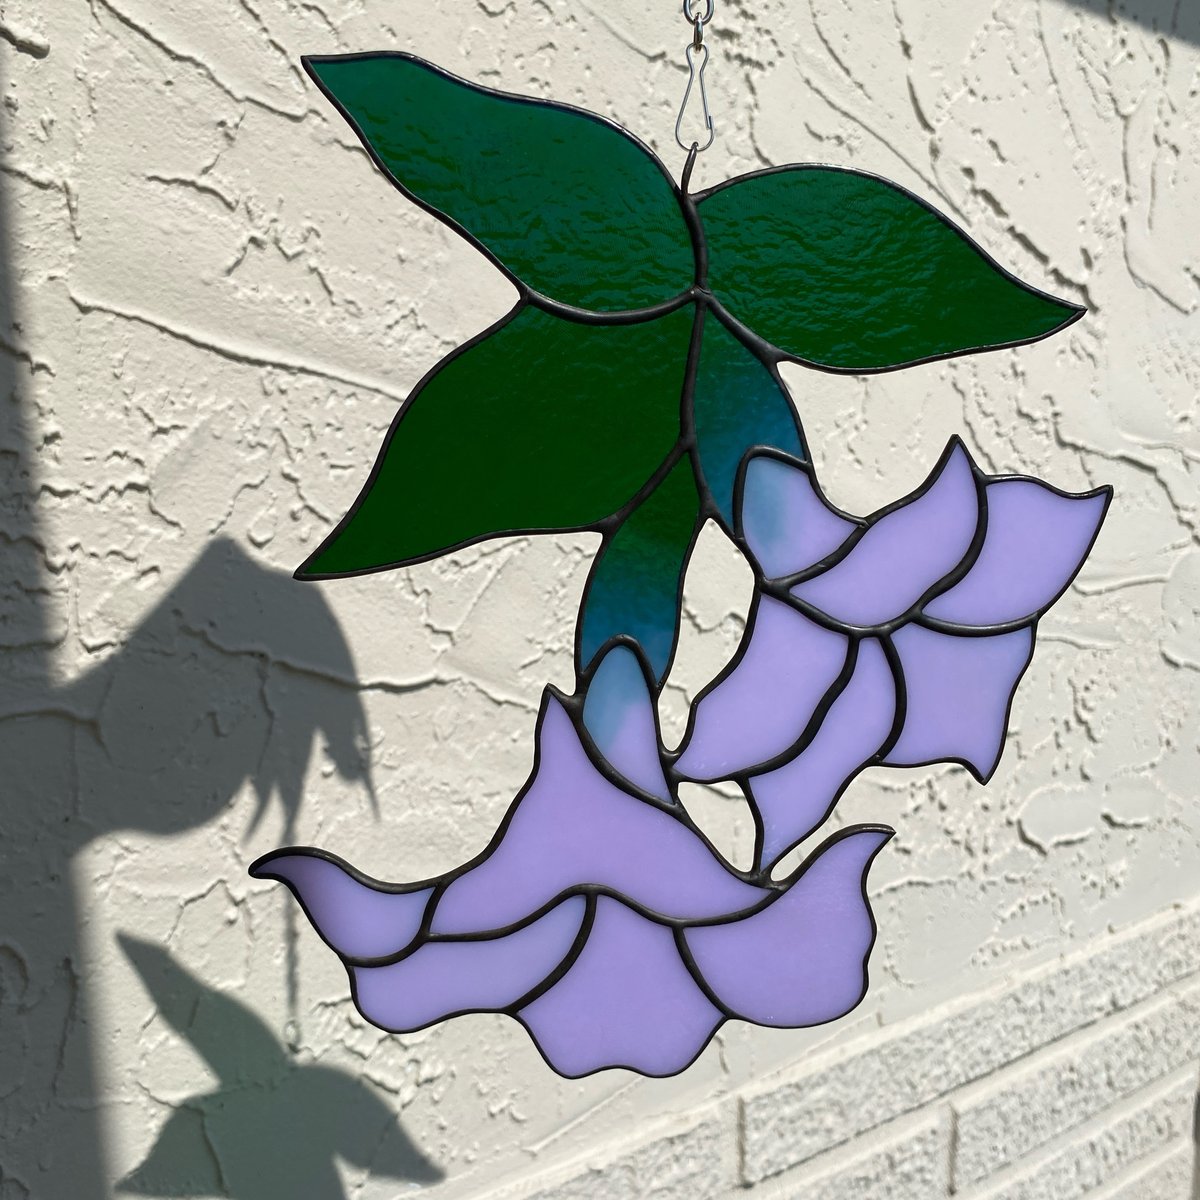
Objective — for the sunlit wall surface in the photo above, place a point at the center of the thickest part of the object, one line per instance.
(212, 306)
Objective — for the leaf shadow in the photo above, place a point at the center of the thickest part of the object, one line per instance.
(272, 1129)
(235, 676)
(1171, 18)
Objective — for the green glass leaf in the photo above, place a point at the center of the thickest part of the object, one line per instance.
(852, 273)
(540, 424)
(635, 585)
(737, 403)
(566, 201)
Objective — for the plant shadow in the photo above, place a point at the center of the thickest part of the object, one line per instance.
(236, 677)
(1171, 18)
(214, 690)
(272, 1129)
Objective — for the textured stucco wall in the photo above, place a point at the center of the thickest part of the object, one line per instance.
(212, 307)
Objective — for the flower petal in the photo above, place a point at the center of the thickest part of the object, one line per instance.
(619, 715)
(572, 827)
(786, 521)
(801, 960)
(904, 552)
(1036, 541)
(358, 917)
(764, 704)
(958, 693)
(627, 1001)
(442, 979)
(794, 799)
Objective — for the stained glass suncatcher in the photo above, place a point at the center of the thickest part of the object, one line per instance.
(634, 391)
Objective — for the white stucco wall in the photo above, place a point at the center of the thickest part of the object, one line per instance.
(213, 307)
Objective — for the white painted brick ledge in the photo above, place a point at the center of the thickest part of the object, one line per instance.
(1102, 1152)
(1076, 1079)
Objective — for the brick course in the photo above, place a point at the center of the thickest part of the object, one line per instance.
(1077, 1081)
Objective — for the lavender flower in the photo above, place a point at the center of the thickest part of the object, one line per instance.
(899, 639)
(599, 917)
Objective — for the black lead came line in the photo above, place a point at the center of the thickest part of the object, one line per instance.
(770, 356)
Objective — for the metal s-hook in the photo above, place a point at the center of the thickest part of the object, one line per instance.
(697, 59)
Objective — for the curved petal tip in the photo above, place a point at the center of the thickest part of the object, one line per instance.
(359, 918)
(801, 960)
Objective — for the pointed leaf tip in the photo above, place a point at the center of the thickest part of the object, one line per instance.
(849, 272)
(566, 201)
(542, 424)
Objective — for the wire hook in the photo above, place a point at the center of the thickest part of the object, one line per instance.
(695, 78)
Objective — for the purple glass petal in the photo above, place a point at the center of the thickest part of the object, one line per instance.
(1036, 541)
(801, 960)
(574, 827)
(904, 552)
(359, 920)
(785, 519)
(796, 798)
(763, 706)
(628, 1001)
(958, 694)
(619, 715)
(440, 979)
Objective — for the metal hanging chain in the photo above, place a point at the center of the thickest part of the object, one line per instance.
(698, 14)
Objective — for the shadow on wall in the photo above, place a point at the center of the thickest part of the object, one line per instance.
(200, 700)
(280, 1125)
(1172, 18)
(1196, 1150)
(158, 738)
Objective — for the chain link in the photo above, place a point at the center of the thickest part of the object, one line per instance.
(698, 13)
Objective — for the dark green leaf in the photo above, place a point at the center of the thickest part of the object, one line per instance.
(566, 201)
(541, 424)
(737, 403)
(850, 272)
(634, 587)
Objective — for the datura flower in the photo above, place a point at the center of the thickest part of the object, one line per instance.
(899, 639)
(599, 917)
